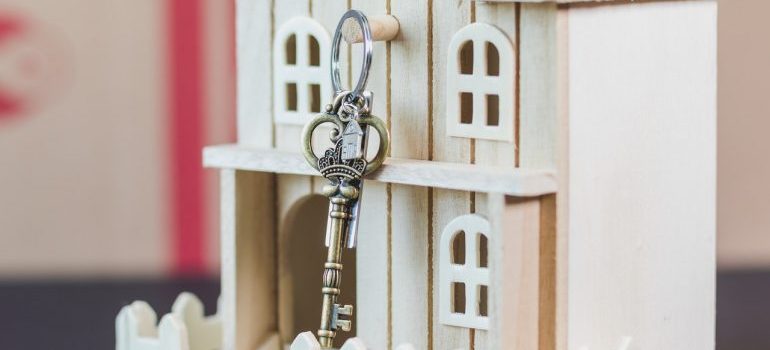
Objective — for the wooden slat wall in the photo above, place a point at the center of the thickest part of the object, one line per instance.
(290, 189)
(448, 18)
(514, 254)
(538, 48)
(401, 224)
(642, 234)
(538, 85)
(248, 264)
(373, 319)
(287, 136)
(503, 16)
(254, 35)
(397, 296)
(410, 128)
(247, 226)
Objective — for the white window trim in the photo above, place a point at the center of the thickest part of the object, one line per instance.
(480, 84)
(301, 73)
(469, 273)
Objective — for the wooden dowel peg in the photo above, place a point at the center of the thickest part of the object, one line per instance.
(384, 28)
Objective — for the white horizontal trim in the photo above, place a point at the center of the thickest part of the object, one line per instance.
(455, 176)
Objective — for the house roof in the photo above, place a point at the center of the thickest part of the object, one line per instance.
(353, 129)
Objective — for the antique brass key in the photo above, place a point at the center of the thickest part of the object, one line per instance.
(344, 165)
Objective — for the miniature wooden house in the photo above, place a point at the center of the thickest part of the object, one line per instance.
(551, 182)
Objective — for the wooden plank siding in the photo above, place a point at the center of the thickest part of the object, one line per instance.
(410, 206)
(374, 254)
(287, 136)
(448, 18)
(396, 253)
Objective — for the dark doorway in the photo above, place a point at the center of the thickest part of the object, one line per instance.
(304, 253)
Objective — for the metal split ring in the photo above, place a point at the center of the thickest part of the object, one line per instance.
(360, 86)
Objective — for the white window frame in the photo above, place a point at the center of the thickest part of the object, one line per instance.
(469, 273)
(300, 73)
(479, 84)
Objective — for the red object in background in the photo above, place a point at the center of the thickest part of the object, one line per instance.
(186, 139)
(187, 112)
(20, 66)
(10, 27)
(31, 62)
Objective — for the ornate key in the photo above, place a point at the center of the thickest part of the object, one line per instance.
(344, 165)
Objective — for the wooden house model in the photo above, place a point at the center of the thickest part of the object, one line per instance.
(551, 182)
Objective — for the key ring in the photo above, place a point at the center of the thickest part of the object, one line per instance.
(358, 91)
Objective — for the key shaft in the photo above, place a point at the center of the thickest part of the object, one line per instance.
(344, 165)
(339, 220)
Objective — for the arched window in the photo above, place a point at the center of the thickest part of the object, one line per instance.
(301, 70)
(464, 273)
(480, 84)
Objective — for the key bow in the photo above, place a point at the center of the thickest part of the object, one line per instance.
(333, 156)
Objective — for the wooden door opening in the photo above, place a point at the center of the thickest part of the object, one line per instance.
(301, 258)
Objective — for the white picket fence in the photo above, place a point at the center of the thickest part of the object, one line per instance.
(185, 328)
(306, 341)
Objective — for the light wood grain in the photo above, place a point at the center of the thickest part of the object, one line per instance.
(538, 82)
(248, 259)
(501, 153)
(409, 239)
(502, 16)
(373, 256)
(624, 160)
(290, 190)
(562, 197)
(448, 18)
(482, 338)
(302, 73)
(328, 14)
(373, 305)
(514, 266)
(287, 136)
(254, 38)
(538, 130)
(466, 177)
(410, 133)
(447, 205)
(642, 239)
(549, 321)
(383, 28)
(272, 343)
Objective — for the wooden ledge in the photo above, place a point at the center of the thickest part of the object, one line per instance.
(455, 176)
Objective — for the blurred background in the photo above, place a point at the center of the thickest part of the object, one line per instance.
(105, 106)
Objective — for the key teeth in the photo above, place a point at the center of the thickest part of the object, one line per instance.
(346, 310)
(344, 325)
(340, 310)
